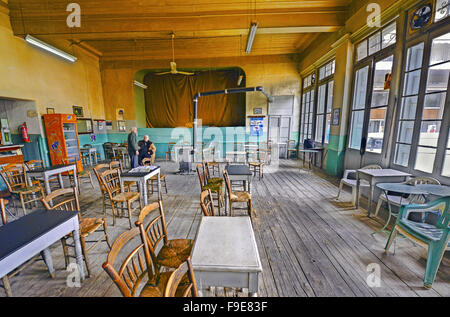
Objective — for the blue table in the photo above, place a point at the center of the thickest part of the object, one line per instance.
(34, 233)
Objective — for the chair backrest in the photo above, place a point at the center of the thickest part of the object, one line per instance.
(3, 212)
(111, 182)
(34, 164)
(65, 199)
(425, 180)
(135, 266)
(206, 173)
(177, 276)
(147, 161)
(98, 169)
(201, 175)
(70, 160)
(372, 167)
(227, 182)
(116, 165)
(15, 177)
(155, 231)
(207, 203)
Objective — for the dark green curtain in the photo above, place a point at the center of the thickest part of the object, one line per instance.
(169, 100)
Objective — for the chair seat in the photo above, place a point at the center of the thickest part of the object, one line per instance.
(352, 182)
(155, 178)
(129, 183)
(256, 164)
(213, 163)
(29, 189)
(240, 196)
(174, 253)
(425, 231)
(89, 225)
(157, 287)
(125, 197)
(84, 173)
(214, 187)
(215, 180)
(396, 200)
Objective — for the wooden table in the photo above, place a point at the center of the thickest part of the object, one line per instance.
(375, 176)
(310, 152)
(48, 172)
(91, 152)
(225, 254)
(35, 233)
(141, 177)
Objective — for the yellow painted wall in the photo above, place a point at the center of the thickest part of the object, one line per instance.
(32, 74)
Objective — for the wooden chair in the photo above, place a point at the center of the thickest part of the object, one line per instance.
(258, 164)
(177, 285)
(85, 174)
(207, 203)
(215, 187)
(434, 237)
(171, 150)
(237, 196)
(292, 149)
(351, 181)
(16, 180)
(213, 164)
(38, 164)
(401, 201)
(128, 184)
(67, 200)
(98, 169)
(153, 181)
(172, 253)
(111, 181)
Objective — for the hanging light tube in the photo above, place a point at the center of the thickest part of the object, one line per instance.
(251, 37)
(36, 42)
(139, 84)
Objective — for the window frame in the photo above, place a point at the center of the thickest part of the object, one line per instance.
(441, 148)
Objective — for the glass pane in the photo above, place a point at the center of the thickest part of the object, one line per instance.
(330, 96)
(440, 49)
(448, 144)
(359, 99)
(446, 167)
(405, 131)
(328, 128)
(402, 154)
(322, 98)
(409, 107)
(442, 9)
(380, 95)
(415, 56)
(429, 133)
(375, 43)
(361, 50)
(319, 128)
(322, 73)
(412, 83)
(389, 35)
(438, 77)
(425, 159)
(434, 106)
(376, 130)
(356, 131)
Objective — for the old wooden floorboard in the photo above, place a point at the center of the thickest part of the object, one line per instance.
(309, 243)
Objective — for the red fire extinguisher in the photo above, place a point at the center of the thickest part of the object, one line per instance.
(24, 130)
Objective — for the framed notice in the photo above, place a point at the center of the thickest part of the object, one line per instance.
(336, 116)
(256, 126)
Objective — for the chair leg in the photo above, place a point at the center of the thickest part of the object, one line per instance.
(165, 186)
(65, 251)
(380, 201)
(23, 204)
(7, 286)
(250, 208)
(341, 185)
(354, 198)
(105, 229)
(113, 208)
(391, 239)
(92, 183)
(129, 213)
(435, 253)
(85, 255)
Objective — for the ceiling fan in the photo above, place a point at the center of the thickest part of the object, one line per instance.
(173, 65)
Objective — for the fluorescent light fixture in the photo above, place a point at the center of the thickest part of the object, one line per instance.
(251, 37)
(241, 77)
(139, 84)
(34, 41)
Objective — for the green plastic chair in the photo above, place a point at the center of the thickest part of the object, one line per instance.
(434, 237)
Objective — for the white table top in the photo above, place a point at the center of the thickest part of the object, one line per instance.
(383, 172)
(226, 244)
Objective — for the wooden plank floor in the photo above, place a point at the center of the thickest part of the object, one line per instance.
(309, 243)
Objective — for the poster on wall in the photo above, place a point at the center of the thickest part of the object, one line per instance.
(108, 125)
(256, 126)
(336, 116)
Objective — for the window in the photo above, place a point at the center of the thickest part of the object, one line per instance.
(359, 106)
(422, 125)
(307, 115)
(442, 10)
(377, 42)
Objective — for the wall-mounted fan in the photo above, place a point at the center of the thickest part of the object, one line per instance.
(173, 65)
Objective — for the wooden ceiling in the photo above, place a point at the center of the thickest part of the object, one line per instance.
(140, 29)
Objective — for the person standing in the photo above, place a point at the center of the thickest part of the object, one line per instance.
(133, 149)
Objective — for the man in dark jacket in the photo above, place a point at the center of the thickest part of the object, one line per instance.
(133, 149)
(146, 149)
